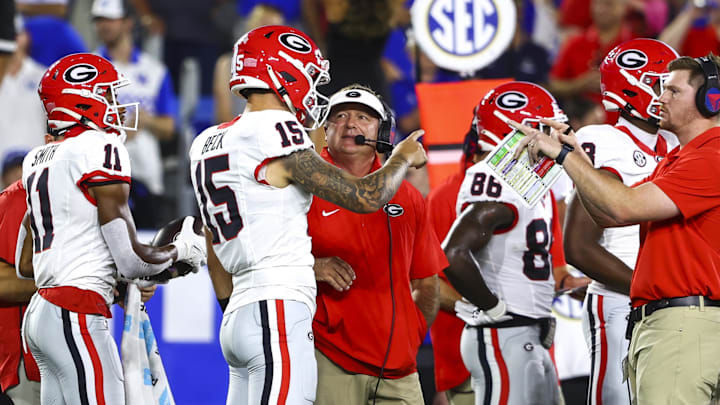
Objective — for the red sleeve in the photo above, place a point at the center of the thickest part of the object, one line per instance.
(428, 257)
(557, 251)
(441, 205)
(12, 211)
(692, 181)
(441, 211)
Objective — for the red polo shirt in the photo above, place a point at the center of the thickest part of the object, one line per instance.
(12, 211)
(352, 327)
(680, 256)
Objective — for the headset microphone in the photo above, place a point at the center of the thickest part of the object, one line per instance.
(385, 146)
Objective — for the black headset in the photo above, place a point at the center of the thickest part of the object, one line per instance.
(707, 98)
(385, 130)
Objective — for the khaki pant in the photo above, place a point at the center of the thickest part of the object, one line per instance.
(462, 394)
(337, 386)
(674, 357)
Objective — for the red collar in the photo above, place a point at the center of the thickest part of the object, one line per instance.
(325, 154)
(74, 131)
(660, 146)
(696, 142)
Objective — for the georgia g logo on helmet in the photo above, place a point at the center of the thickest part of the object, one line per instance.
(512, 100)
(295, 42)
(80, 73)
(631, 59)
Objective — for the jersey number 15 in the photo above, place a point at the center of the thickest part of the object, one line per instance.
(208, 192)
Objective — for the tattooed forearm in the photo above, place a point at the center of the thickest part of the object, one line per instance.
(367, 194)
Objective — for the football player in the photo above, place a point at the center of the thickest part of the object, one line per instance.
(254, 178)
(631, 77)
(80, 235)
(498, 251)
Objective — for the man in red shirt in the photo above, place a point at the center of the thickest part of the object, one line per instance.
(675, 290)
(21, 384)
(380, 289)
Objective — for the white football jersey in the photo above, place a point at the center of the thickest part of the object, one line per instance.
(69, 248)
(630, 153)
(259, 231)
(516, 264)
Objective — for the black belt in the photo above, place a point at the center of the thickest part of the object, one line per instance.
(636, 314)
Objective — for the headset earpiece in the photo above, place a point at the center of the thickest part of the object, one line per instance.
(707, 98)
(385, 130)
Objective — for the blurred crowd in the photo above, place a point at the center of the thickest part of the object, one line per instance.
(176, 53)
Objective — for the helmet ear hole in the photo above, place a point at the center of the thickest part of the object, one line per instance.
(629, 93)
(287, 76)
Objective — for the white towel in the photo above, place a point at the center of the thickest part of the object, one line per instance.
(145, 379)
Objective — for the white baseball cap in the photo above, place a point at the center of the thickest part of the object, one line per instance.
(112, 9)
(360, 96)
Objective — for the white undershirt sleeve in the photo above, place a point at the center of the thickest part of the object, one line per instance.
(129, 264)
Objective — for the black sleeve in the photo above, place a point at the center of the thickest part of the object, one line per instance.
(7, 26)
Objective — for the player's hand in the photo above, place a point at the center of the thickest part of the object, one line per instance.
(147, 292)
(190, 246)
(575, 287)
(538, 144)
(474, 316)
(411, 150)
(334, 271)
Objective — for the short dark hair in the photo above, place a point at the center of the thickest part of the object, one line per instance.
(697, 75)
(248, 92)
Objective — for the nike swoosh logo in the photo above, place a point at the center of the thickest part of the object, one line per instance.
(328, 213)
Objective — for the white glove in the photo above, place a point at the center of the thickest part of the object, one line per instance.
(474, 316)
(190, 246)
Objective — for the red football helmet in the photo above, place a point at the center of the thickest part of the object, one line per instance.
(82, 89)
(286, 61)
(523, 102)
(631, 77)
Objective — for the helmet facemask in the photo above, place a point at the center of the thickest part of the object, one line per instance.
(647, 84)
(117, 114)
(315, 105)
(106, 94)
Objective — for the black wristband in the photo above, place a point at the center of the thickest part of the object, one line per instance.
(223, 303)
(563, 153)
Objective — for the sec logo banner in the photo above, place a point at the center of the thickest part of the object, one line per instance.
(463, 35)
